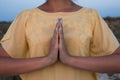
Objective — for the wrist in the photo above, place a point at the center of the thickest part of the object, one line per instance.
(51, 59)
(66, 59)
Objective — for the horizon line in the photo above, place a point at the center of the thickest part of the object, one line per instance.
(102, 17)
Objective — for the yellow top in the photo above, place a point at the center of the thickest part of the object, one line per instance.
(85, 32)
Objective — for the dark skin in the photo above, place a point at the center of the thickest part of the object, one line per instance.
(53, 6)
(12, 66)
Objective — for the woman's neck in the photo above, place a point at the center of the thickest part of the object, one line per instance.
(59, 6)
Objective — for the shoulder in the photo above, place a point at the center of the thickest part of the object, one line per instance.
(90, 10)
(27, 12)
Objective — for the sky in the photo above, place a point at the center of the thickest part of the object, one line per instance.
(9, 9)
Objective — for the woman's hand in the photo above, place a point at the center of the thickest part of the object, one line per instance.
(63, 52)
(53, 52)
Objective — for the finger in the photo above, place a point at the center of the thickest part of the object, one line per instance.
(54, 42)
(59, 22)
(56, 31)
(61, 37)
(61, 34)
(55, 37)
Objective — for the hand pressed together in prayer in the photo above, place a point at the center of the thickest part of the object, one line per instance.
(58, 45)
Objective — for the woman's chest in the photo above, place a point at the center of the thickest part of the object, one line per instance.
(77, 33)
(72, 28)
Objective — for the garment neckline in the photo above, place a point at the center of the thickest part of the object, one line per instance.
(59, 13)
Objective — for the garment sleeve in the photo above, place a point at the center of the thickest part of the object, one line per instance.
(14, 41)
(103, 41)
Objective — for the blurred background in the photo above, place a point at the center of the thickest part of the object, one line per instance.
(108, 9)
(9, 9)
